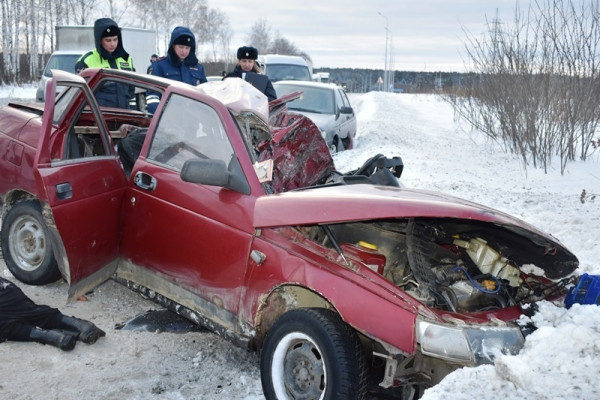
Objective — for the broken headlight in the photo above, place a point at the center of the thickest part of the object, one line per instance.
(473, 344)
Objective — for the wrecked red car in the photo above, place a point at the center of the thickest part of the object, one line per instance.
(233, 215)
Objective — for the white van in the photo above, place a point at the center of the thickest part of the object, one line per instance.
(279, 67)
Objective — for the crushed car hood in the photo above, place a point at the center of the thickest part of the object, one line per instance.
(364, 202)
(331, 204)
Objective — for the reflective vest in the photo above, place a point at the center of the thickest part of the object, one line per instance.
(111, 94)
(92, 59)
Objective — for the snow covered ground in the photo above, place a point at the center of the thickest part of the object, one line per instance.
(559, 360)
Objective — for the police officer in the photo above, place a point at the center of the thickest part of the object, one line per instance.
(248, 70)
(181, 63)
(153, 59)
(109, 53)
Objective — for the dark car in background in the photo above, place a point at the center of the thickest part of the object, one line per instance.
(327, 105)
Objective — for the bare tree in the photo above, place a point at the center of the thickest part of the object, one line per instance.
(7, 43)
(225, 35)
(29, 28)
(260, 36)
(32, 19)
(17, 45)
(144, 12)
(82, 10)
(154, 14)
(11, 17)
(539, 81)
(214, 29)
(164, 15)
(281, 45)
(117, 9)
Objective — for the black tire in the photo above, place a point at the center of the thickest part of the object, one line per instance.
(333, 147)
(311, 353)
(347, 142)
(26, 245)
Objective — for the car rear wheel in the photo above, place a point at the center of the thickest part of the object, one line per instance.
(26, 245)
(312, 354)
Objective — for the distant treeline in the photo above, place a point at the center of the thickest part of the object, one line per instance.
(358, 80)
(365, 80)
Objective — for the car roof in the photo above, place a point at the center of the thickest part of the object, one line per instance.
(74, 52)
(282, 59)
(321, 85)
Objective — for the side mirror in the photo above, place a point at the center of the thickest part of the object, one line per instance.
(346, 110)
(216, 173)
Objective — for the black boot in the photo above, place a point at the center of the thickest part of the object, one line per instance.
(88, 332)
(54, 337)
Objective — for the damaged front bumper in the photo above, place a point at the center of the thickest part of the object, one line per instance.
(444, 347)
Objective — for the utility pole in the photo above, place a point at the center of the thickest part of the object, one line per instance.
(385, 68)
(391, 63)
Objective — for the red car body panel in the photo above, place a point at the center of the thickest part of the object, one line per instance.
(245, 257)
(72, 190)
(199, 245)
(98, 187)
(354, 291)
(18, 139)
(363, 201)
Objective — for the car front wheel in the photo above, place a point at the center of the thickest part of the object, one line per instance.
(333, 148)
(26, 245)
(312, 354)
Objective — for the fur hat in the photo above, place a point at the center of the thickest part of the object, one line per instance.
(247, 52)
(112, 30)
(185, 40)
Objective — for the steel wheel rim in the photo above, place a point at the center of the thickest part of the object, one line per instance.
(298, 369)
(332, 148)
(27, 243)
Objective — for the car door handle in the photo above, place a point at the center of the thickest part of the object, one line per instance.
(64, 191)
(145, 181)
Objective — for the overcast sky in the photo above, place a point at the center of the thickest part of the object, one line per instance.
(426, 35)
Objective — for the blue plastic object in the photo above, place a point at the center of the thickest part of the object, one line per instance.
(587, 291)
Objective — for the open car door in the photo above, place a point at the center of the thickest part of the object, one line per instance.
(83, 182)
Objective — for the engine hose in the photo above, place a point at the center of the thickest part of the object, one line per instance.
(476, 285)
